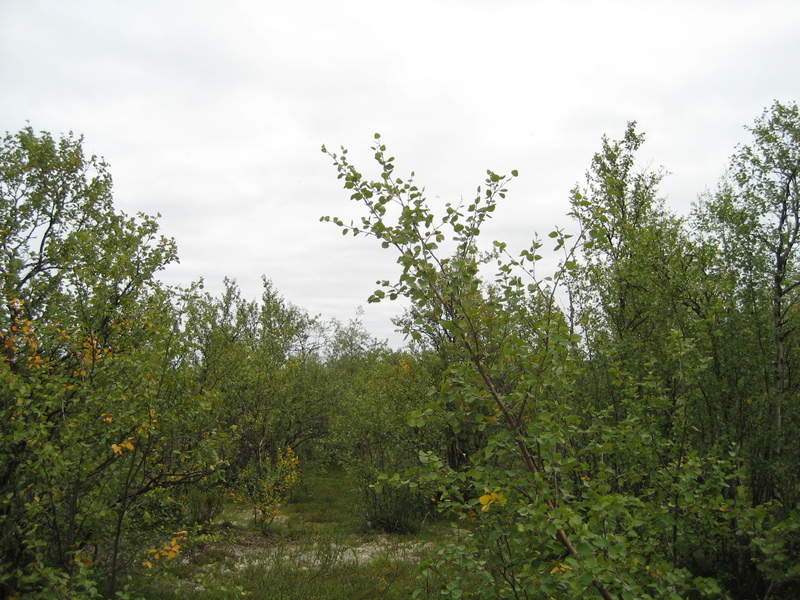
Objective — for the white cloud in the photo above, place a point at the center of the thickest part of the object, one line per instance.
(212, 113)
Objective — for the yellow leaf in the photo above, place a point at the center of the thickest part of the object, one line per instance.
(560, 568)
(490, 498)
(148, 564)
(87, 560)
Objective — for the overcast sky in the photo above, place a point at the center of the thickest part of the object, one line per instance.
(212, 113)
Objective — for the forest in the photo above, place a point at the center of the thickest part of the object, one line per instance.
(623, 425)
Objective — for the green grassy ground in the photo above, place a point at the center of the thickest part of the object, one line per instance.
(316, 548)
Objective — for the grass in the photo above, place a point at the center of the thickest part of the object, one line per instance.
(325, 496)
(316, 548)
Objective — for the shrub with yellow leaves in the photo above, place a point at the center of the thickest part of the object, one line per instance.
(170, 550)
(265, 485)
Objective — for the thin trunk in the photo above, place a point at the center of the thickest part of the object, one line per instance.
(779, 376)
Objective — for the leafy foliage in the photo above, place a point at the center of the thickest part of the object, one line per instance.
(92, 396)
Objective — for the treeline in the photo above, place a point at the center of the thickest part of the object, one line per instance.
(626, 427)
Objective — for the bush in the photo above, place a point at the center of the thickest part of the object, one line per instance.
(394, 508)
(203, 506)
